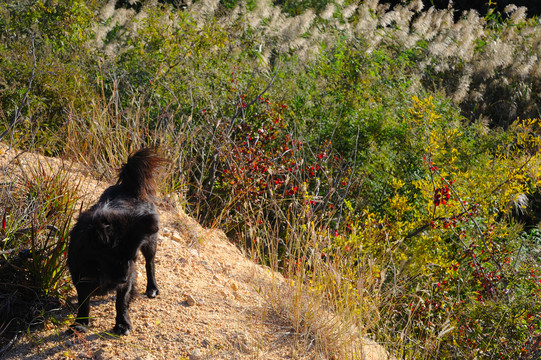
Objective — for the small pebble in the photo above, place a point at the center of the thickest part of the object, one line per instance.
(196, 355)
(190, 300)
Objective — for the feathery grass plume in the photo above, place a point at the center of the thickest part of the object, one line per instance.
(441, 49)
(329, 11)
(399, 20)
(349, 10)
(466, 31)
(233, 16)
(295, 26)
(367, 24)
(107, 10)
(416, 6)
(303, 49)
(440, 21)
(520, 203)
(370, 6)
(526, 66)
(536, 70)
(510, 9)
(536, 41)
(203, 10)
(463, 86)
(113, 20)
(391, 18)
(497, 55)
(264, 10)
(517, 14)
(423, 24)
(137, 20)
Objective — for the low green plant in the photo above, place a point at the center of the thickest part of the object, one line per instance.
(39, 199)
(36, 220)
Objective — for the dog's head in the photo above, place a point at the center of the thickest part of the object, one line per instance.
(123, 227)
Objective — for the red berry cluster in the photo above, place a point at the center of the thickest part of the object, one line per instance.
(264, 100)
(4, 222)
(442, 195)
(262, 160)
(242, 102)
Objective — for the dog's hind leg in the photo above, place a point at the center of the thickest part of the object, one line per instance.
(123, 297)
(149, 251)
(84, 292)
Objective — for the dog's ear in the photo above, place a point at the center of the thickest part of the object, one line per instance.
(104, 231)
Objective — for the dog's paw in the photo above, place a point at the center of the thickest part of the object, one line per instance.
(152, 293)
(75, 329)
(122, 329)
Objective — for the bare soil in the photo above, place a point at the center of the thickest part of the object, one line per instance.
(212, 302)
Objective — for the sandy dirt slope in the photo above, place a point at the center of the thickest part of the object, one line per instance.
(212, 302)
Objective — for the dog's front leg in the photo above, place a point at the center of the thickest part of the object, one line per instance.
(123, 298)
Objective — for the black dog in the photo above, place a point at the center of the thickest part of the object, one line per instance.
(106, 238)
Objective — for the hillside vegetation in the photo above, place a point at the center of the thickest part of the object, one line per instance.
(384, 160)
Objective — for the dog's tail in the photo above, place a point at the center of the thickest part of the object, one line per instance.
(136, 175)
